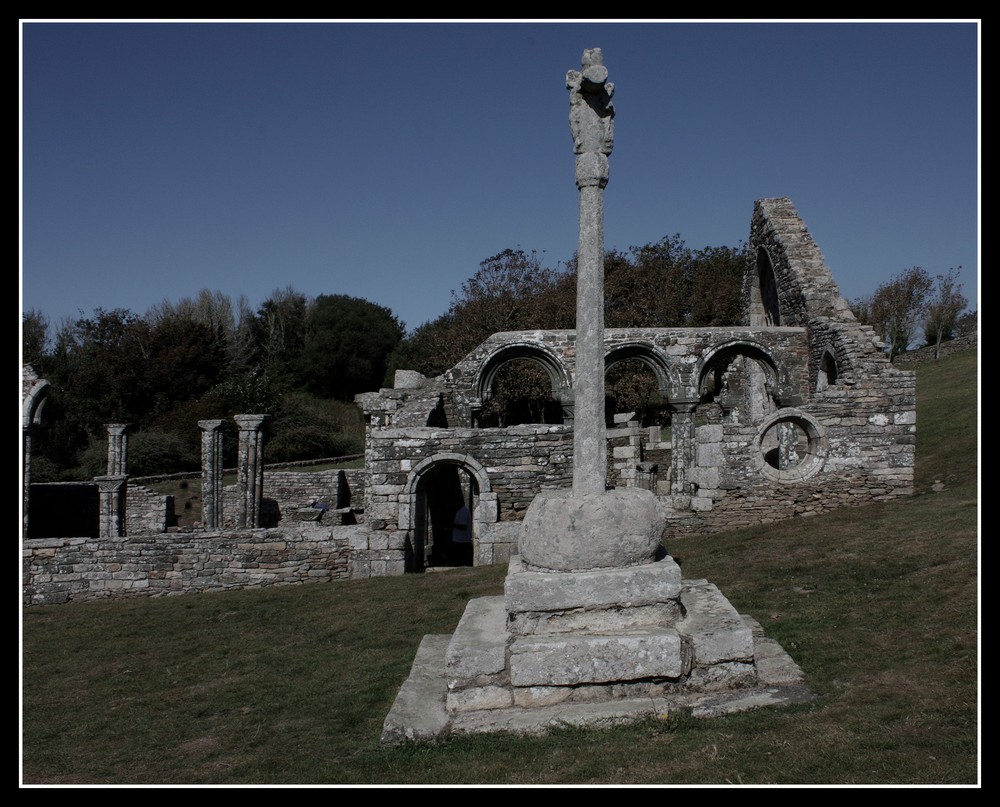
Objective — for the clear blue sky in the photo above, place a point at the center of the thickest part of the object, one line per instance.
(387, 160)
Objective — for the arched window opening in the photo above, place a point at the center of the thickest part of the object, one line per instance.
(768, 288)
(827, 375)
(738, 384)
(631, 385)
(520, 392)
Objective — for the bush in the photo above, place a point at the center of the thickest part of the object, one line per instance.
(306, 427)
(149, 453)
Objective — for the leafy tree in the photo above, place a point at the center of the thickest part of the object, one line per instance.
(307, 427)
(945, 305)
(716, 279)
(34, 337)
(347, 344)
(967, 324)
(897, 307)
(510, 292)
(279, 335)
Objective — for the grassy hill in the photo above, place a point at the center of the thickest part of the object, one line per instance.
(878, 605)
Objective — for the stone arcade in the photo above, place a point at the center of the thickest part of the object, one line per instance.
(595, 623)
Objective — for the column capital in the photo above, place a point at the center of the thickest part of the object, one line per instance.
(211, 425)
(250, 422)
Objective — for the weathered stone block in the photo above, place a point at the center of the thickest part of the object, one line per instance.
(575, 659)
(478, 646)
(527, 589)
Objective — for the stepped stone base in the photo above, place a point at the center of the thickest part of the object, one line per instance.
(564, 649)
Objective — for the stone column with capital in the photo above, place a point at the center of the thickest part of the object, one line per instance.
(251, 469)
(111, 490)
(211, 473)
(112, 487)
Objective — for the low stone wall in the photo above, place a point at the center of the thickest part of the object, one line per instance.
(59, 570)
(147, 511)
(336, 488)
(926, 354)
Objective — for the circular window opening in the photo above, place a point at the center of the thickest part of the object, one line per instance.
(791, 447)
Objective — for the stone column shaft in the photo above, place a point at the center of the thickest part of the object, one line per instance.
(682, 452)
(211, 473)
(251, 469)
(117, 448)
(590, 446)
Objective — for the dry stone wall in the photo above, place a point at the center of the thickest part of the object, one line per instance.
(58, 570)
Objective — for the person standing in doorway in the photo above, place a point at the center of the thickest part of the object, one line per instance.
(461, 536)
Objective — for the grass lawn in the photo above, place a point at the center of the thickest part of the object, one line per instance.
(877, 604)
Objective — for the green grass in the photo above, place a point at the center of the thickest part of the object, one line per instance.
(290, 685)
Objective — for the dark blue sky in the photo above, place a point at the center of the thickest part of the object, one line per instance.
(386, 161)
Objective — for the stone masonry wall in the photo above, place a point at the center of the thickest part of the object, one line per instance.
(57, 570)
(520, 461)
(868, 447)
(147, 511)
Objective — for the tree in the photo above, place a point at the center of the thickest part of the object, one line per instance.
(279, 335)
(34, 337)
(967, 324)
(897, 307)
(716, 280)
(511, 291)
(347, 343)
(942, 312)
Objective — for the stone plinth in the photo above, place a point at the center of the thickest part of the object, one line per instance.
(592, 601)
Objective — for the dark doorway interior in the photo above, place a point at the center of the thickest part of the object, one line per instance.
(441, 492)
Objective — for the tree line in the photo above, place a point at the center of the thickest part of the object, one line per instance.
(912, 304)
(304, 359)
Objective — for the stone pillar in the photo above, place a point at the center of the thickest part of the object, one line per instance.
(117, 448)
(682, 454)
(112, 515)
(591, 121)
(26, 434)
(34, 394)
(112, 487)
(250, 469)
(211, 473)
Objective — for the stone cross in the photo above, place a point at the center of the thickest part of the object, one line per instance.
(591, 121)
(590, 527)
